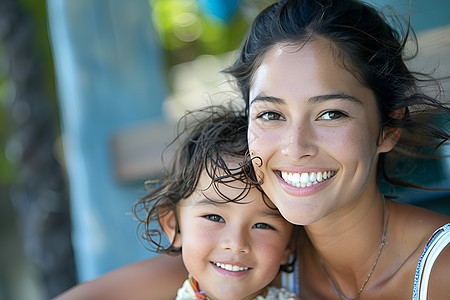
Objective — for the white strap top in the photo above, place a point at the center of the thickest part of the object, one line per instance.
(438, 241)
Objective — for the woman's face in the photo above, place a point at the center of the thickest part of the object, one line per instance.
(315, 127)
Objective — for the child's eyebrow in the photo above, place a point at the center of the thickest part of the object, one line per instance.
(206, 201)
(221, 202)
(272, 213)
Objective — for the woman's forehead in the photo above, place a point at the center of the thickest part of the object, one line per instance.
(291, 70)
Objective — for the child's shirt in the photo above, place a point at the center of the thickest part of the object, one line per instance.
(186, 292)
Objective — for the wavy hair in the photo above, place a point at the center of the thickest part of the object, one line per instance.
(204, 137)
(364, 43)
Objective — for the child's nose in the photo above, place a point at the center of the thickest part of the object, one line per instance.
(236, 239)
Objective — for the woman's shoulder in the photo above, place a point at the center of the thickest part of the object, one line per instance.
(412, 228)
(416, 223)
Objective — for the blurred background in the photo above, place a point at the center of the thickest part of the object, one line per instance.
(90, 92)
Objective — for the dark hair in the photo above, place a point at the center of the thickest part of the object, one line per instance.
(204, 138)
(368, 47)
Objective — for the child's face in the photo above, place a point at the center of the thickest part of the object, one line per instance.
(232, 250)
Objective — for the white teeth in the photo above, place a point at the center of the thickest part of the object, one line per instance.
(229, 267)
(302, 180)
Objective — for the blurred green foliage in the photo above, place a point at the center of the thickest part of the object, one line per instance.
(7, 173)
(37, 12)
(185, 32)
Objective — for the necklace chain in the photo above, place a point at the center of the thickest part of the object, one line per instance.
(330, 278)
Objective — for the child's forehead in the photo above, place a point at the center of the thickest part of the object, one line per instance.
(231, 189)
(233, 163)
(208, 194)
(214, 172)
(252, 203)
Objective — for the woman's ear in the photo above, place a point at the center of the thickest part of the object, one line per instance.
(391, 135)
(169, 225)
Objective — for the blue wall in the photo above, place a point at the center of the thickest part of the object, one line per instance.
(110, 75)
(425, 14)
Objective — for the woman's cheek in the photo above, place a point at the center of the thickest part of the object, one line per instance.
(253, 138)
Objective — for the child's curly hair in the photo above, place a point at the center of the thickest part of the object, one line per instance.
(203, 138)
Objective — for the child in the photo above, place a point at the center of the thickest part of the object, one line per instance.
(232, 238)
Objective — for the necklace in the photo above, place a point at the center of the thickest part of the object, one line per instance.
(330, 278)
(198, 294)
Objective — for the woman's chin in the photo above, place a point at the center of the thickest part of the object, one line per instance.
(297, 212)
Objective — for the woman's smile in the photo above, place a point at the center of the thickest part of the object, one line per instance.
(303, 180)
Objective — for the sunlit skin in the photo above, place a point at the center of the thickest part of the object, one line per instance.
(310, 114)
(251, 236)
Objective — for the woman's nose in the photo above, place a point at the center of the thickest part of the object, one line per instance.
(236, 239)
(299, 141)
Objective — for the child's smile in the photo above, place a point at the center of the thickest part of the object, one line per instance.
(230, 267)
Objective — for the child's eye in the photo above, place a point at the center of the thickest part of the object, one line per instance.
(262, 226)
(332, 115)
(214, 218)
(271, 116)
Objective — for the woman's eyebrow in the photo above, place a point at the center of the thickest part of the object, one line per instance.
(337, 96)
(319, 98)
(271, 99)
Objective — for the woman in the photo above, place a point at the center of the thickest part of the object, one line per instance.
(330, 104)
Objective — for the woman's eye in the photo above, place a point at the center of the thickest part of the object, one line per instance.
(271, 116)
(214, 218)
(262, 226)
(332, 115)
